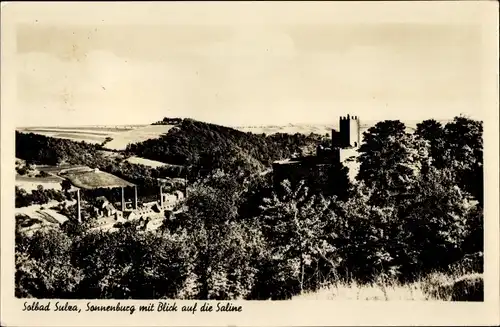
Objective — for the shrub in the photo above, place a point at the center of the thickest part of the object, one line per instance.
(468, 288)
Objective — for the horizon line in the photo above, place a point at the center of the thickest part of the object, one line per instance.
(250, 125)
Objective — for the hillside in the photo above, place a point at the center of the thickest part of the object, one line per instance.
(88, 134)
(202, 147)
(208, 145)
(120, 140)
(112, 137)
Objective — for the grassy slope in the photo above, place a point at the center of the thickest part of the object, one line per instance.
(434, 287)
(462, 281)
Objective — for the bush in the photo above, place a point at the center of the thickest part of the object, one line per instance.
(42, 174)
(468, 288)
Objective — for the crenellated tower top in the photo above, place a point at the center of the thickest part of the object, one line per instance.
(349, 131)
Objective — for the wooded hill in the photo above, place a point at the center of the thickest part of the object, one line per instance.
(200, 146)
(208, 146)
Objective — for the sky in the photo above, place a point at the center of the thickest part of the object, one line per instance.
(246, 73)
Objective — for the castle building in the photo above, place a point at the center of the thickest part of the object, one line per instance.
(344, 144)
(348, 136)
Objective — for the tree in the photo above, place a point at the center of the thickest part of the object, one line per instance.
(43, 265)
(65, 185)
(296, 226)
(363, 237)
(457, 146)
(129, 264)
(433, 132)
(23, 199)
(464, 155)
(390, 159)
(224, 248)
(39, 195)
(432, 225)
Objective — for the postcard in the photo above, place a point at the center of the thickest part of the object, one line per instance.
(249, 164)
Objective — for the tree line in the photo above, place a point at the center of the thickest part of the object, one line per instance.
(38, 196)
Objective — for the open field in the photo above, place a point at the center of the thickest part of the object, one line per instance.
(122, 139)
(49, 179)
(89, 134)
(307, 129)
(148, 162)
(61, 168)
(53, 181)
(135, 160)
(30, 181)
(121, 135)
(97, 128)
(32, 184)
(76, 136)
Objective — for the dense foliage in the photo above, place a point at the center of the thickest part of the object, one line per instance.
(205, 145)
(457, 146)
(410, 212)
(38, 196)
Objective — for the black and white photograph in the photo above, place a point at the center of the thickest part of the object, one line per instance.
(261, 158)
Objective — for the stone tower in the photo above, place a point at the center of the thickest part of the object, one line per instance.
(349, 131)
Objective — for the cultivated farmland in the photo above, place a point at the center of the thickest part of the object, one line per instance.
(120, 136)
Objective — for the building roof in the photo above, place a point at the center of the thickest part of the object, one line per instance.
(96, 179)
